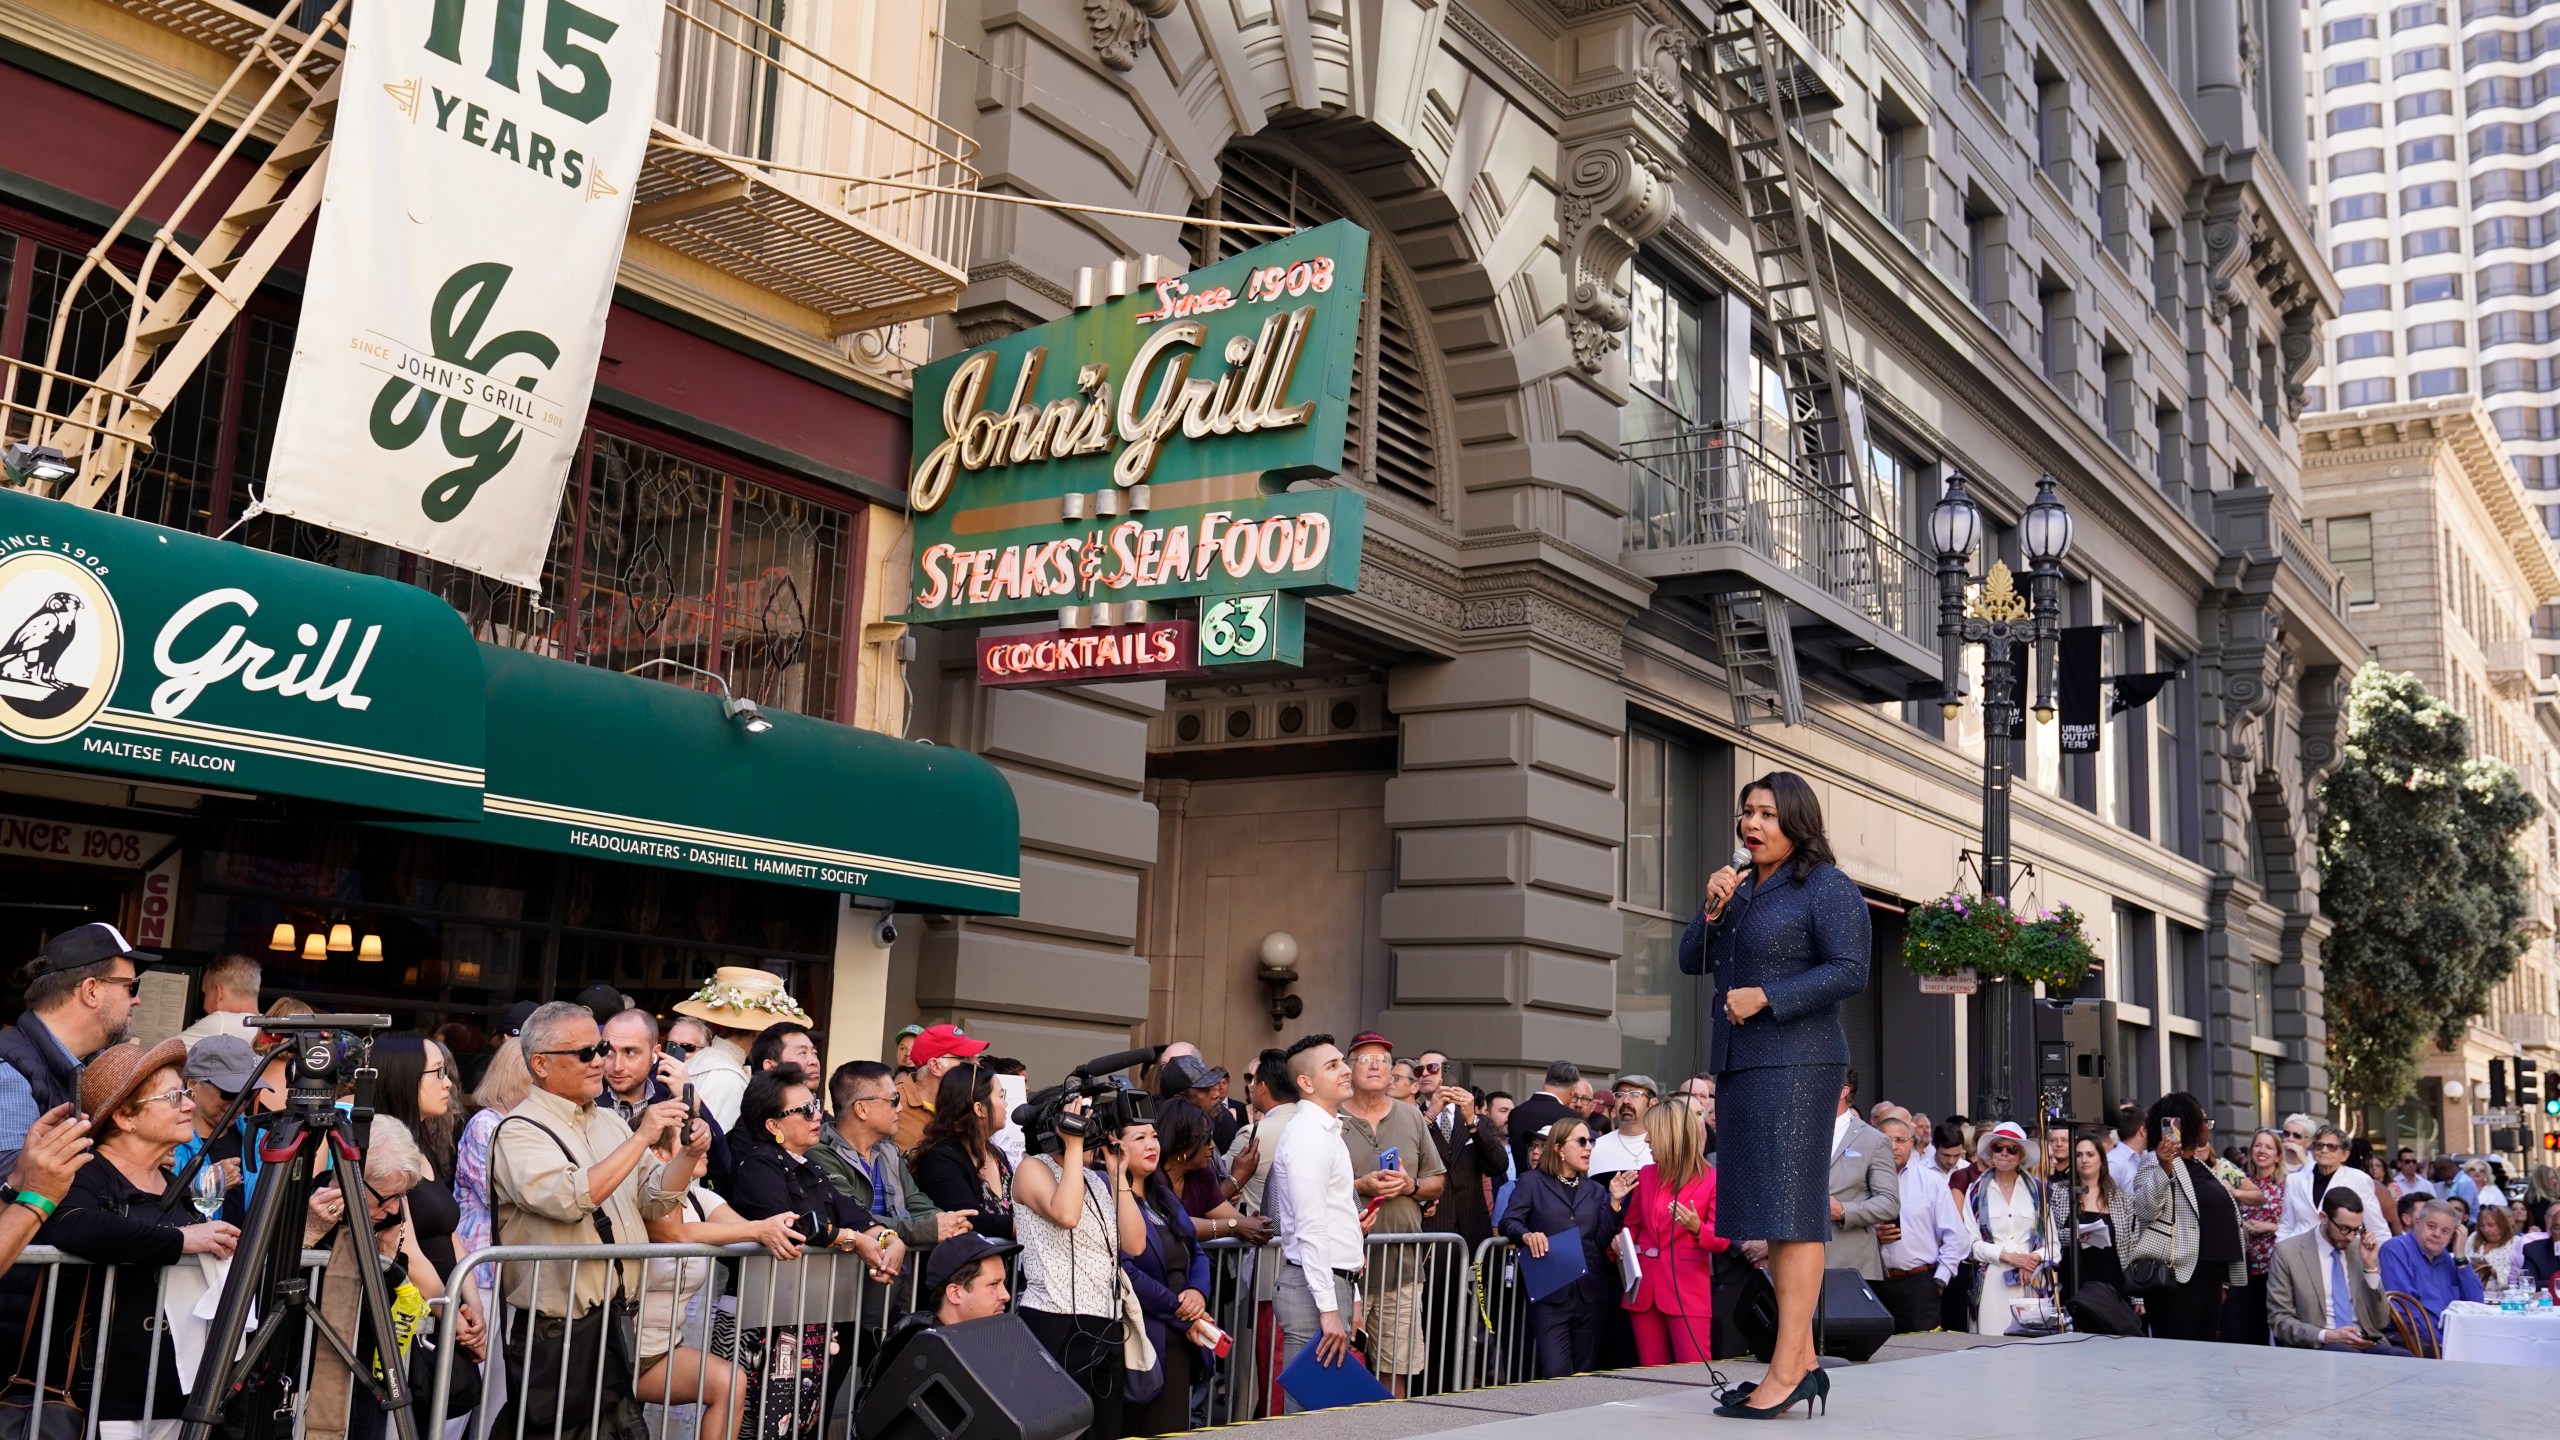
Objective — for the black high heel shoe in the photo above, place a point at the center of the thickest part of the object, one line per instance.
(1813, 1389)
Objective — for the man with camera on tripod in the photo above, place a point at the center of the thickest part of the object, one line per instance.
(565, 1171)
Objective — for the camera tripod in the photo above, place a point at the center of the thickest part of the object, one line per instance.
(266, 1268)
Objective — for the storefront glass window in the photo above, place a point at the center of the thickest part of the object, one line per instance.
(467, 929)
(1675, 798)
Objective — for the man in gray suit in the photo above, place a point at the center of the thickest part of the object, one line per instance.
(1865, 1190)
(2324, 1286)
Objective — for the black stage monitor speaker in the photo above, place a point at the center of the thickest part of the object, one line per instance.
(984, 1380)
(1852, 1323)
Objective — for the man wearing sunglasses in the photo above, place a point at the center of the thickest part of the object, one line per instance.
(79, 1002)
(2305, 1188)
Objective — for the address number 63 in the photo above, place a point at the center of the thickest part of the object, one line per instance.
(1236, 628)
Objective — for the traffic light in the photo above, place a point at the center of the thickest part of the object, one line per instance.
(2528, 1084)
(2497, 1084)
(2552, 1141)
(2551, 1106)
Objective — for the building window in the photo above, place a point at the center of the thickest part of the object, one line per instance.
(2443, 240)
(1981, 41)
(2262, 1001)
(1393, 439)
(2347, 164)
(2437, 335)
(2354, 117)
(2434, 195)
(2174, 715)
(2427, 384)
(2128, 759)
(2351, 551)
(1670, 350)
(2134, 958)
(2410, 17)
(2419, 59)
(2352, 72)
(2352, 253)
(2434, 287)
(2364, 345)
(2426, 149)
(2355, 207)
(2171, 463)
(2356, 299)
(1900, 141)
(2339, 32)
(1673, 786)
(2422, 105)
(2053, 122)
(2055, 350)
(2352, 393)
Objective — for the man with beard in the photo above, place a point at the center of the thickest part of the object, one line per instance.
(637, 1075)
(79, 1001)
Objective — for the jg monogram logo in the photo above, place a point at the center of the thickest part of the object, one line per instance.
(443, 391)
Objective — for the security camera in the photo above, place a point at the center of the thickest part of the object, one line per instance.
(884, 931)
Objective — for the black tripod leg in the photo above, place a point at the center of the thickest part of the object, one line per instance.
(280, 1197)
(394, 1386)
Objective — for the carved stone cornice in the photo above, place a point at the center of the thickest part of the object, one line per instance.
(1541, 603)
(1120, 28)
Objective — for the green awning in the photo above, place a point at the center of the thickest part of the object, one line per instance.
(173, 659)
(589, 762)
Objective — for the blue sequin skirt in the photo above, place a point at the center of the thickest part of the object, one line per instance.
(1773, 1151)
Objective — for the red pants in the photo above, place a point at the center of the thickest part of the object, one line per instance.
(1671, 1339)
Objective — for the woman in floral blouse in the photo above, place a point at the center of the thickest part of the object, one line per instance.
(2244, 1314)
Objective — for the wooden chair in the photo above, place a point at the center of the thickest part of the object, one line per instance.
(2411, 1329)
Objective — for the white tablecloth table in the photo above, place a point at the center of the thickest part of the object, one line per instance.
(2487, 1335)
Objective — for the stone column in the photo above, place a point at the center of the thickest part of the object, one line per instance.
(2281, 31)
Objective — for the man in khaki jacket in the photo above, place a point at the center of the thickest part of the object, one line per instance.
(566, 1171)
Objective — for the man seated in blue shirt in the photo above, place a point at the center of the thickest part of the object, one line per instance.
(2421, 1263)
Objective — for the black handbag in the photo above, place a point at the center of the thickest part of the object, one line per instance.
(2150, 1275)
(2098, 1310)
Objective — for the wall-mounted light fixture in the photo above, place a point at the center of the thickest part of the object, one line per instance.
(737, 707)
(1278, 971)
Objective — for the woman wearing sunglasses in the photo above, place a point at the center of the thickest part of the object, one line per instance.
(1560, 1195)
(779, 1121)
(2006, 1212)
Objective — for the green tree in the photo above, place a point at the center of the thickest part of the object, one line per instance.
(2420, 876)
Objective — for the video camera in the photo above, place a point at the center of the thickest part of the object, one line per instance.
(1116, 1103)
(328, 1050)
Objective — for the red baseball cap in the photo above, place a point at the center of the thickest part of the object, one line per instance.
(940, 1040)
(1367, 1038)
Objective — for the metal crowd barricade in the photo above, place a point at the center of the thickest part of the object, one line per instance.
(53, 1267)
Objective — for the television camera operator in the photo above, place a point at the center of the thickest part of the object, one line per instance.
(1067, 1198)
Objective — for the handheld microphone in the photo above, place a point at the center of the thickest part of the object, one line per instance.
(1741, 861)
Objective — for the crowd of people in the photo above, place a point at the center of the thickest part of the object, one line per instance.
(589, 1126)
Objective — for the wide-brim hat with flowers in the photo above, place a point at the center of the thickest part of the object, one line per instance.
(740, 998)
(115, 1075)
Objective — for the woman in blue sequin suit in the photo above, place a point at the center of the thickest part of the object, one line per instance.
(1785, 941)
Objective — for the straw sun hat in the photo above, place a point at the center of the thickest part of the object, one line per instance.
(741, 998)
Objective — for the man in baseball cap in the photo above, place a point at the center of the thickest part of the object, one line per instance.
(937, 1049)
(79, 1001)
(217, 1070)
(964, 1280)
(1188, 1074)
(904, 1055)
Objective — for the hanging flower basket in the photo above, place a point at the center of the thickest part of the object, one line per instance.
(1963, 934)
(1957, 934)
(2052, 949)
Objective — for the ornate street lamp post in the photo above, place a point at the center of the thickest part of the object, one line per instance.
(1997, 617)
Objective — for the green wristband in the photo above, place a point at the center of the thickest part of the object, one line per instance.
(36, 1202)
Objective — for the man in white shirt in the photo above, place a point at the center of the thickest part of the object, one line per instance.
(2411, 1177)
(2125, 1146)
(2304, 1188)
(1924, 1245)
(230, 991)
(1310, 1198)
(1626, 1148)
(2299, 1132)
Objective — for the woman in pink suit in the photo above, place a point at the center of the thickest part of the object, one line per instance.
(1672, 1218)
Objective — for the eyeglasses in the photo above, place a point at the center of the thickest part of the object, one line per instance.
(2328, 1145)
(435, 1072)
(174, 1098)
(132, 983)
(810, 1111)
(584, 1054)
(1427, 1069)
(893, 1100)
(2007, 1150)
(681, 1052)
(1583, 1140)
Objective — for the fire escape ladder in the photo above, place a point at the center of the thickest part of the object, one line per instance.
(1759, 657)
(198, 268)
(1762, 89)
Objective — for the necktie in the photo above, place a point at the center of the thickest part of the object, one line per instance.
(2342, 1312)
(1448, 1117)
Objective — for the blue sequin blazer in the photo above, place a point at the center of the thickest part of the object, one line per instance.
(1805, 943)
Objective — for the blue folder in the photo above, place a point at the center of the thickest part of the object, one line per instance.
(1318, 1386)
(1561, 1266)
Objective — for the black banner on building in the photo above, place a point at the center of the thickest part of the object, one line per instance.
(2083, 656)
(2021, 693)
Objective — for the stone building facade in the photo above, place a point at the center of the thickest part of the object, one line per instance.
(2445, 563)
(2055, 238)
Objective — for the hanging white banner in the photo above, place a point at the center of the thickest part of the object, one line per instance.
(480, 182)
